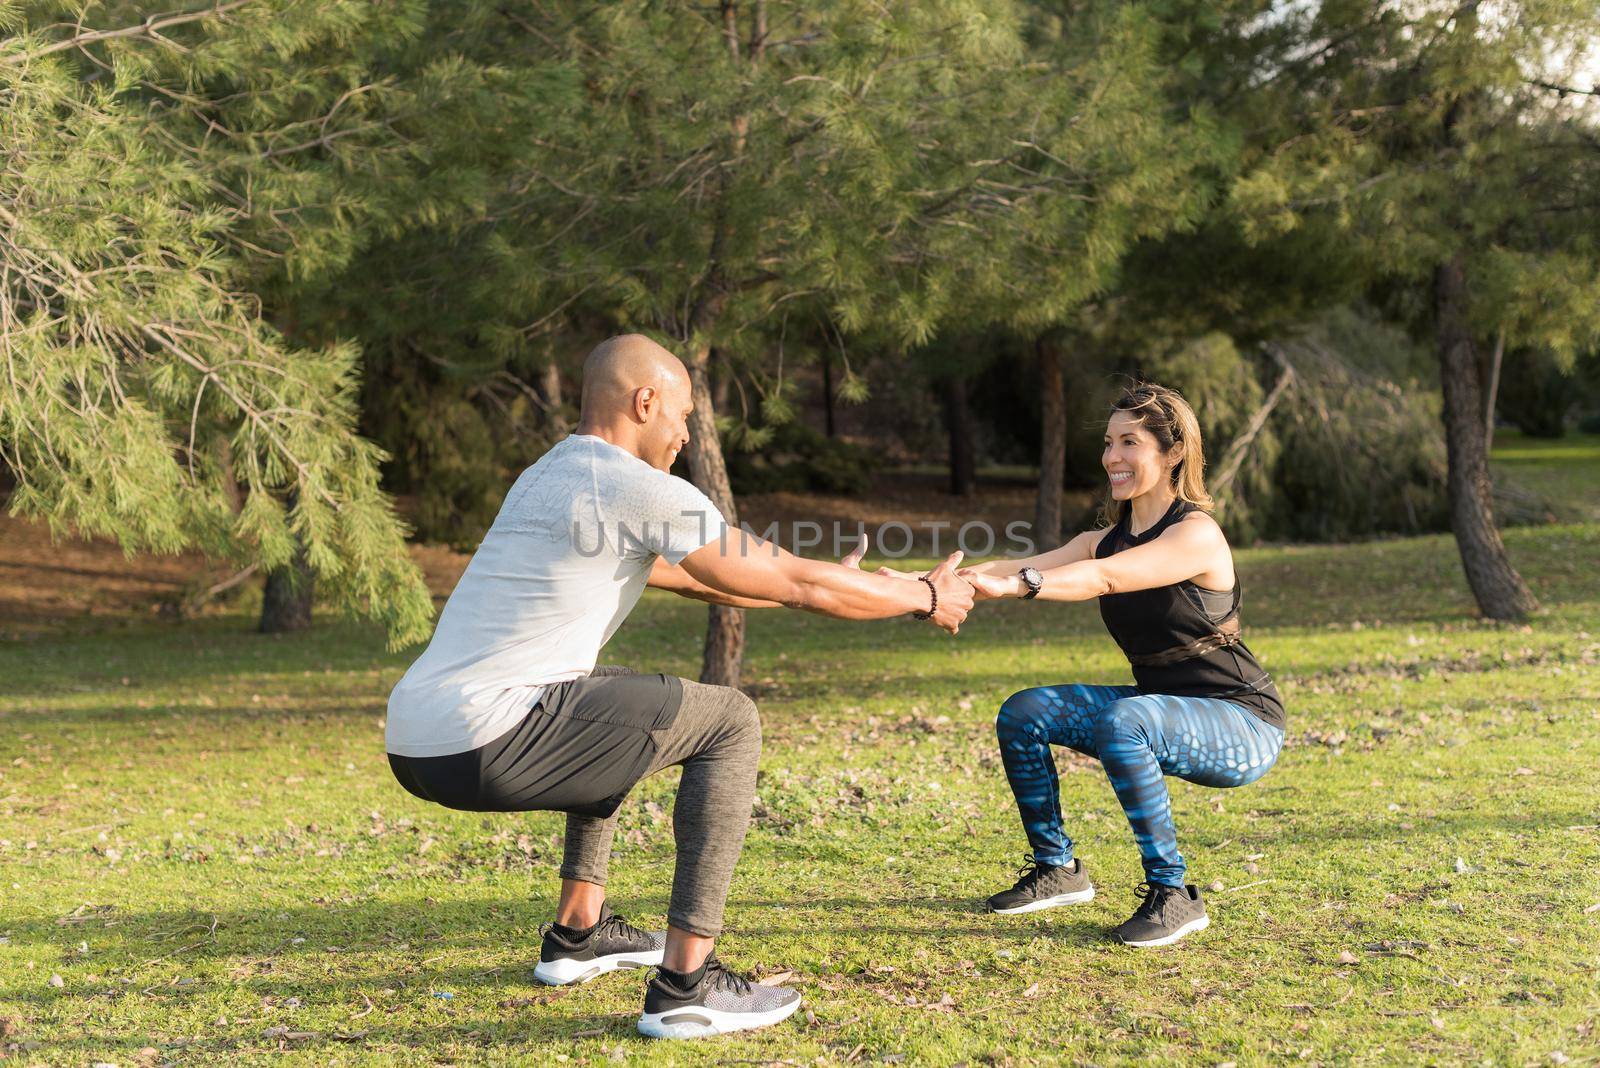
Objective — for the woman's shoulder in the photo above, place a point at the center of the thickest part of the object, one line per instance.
(1197, 523)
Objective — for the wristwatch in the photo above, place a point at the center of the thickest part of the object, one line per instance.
(1033, 580)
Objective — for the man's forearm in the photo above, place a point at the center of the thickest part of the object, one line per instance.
(730, 600)
(674, 579)
(757, 569)
(846, 593)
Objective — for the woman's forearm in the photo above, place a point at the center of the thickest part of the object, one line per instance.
(1083, 580)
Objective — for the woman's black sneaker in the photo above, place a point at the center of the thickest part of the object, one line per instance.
(712, 1001)
(1044, 886)
(610, 944)
(1166, 914)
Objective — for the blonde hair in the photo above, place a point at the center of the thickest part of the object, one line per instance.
(1172, 423)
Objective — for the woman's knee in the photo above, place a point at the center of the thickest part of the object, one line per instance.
(1123, 720)
(1019, 716)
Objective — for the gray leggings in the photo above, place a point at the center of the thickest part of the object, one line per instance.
(716, 736)
(581, 750)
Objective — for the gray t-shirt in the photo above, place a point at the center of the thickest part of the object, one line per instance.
(564, 563)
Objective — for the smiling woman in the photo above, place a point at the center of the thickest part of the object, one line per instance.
(1201, 707)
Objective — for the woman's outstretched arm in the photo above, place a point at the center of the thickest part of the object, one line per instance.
(1186, 550)
(1079, 548)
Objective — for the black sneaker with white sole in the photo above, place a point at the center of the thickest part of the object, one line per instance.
(1044, 886)
(610, 944)
(1166, 914)
(712, 1001)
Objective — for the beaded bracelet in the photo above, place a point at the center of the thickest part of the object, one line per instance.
(932, 608)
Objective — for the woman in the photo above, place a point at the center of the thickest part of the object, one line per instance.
(1202, 710)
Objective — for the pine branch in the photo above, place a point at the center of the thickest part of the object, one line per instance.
(150, 27)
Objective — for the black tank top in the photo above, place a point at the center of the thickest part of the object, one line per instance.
(1155, 620)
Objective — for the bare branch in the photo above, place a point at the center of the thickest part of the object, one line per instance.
(1563, 90)
(1241, 444)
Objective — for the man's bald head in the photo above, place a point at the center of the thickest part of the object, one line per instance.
(636, 395)
(619, 367)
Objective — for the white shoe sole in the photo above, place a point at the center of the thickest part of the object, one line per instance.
(697, 1021)
(1166, 940)
(1077, 897)
(563, 971)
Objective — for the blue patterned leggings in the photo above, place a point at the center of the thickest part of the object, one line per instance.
(1138, 739)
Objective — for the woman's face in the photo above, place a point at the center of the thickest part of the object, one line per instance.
(1133, 458)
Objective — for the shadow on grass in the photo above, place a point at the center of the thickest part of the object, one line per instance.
(122, 940)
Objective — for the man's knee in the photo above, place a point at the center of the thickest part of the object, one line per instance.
(746, 717)
(739, 718)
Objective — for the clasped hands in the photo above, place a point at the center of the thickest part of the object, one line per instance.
(957, 588)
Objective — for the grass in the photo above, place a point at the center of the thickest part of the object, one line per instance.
(1564, 471)
(205, 860)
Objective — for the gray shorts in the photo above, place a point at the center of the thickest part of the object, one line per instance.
(579, 750)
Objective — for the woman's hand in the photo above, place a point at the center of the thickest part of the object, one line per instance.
(992, 587)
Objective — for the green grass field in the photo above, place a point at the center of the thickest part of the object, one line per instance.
(204, 858)
(1564, 472)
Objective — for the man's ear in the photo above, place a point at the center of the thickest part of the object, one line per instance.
(645, 399)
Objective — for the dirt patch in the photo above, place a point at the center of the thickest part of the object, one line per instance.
(48, 586)
(918, 501)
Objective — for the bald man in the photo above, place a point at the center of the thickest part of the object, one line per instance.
(505, 711)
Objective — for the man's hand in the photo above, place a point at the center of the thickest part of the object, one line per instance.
(955, 594)
(853, 559)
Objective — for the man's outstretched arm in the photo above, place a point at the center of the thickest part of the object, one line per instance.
(674, 579)
(743, 565)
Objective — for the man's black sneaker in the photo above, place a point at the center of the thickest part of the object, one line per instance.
(716, 1002)
(612, 943)
(1044, 886)
(1166, 915)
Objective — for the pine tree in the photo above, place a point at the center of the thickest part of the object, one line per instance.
(145, 397)
(704, 172)
(1453, 147)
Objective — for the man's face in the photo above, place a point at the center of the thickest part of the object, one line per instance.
(666, 428)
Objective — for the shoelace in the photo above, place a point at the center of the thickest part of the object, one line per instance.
(1028, 874)
(613, 923)
(1150, 907)
(618, 925)
(718, 974)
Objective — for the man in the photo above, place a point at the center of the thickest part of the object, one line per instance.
(505, 710)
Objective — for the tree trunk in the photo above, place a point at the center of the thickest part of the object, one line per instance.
(958, 422)
(721, 376)
(827, 392)
(549, 387)
(1499, 590)
(286, 604)
(724, 652)
(1052, 445)
(1493, 388)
